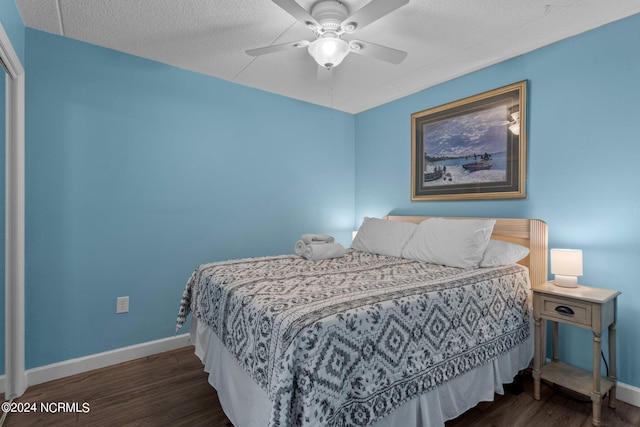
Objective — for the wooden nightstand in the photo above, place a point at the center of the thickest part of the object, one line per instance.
(586, 307)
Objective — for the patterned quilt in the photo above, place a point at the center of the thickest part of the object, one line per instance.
(345, 341)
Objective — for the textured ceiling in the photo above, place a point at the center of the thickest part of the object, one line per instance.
(444, 39)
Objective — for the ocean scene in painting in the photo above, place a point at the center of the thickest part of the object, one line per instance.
(467, 149)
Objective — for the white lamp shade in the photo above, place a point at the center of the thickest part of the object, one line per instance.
(329, 51)
(567, 262)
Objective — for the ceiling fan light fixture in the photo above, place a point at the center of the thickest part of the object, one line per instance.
(329, 51)
(514, 124)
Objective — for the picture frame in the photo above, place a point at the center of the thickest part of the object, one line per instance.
(471, 149)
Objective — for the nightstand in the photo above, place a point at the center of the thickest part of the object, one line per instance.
(585, 307)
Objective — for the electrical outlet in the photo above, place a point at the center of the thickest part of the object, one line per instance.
(122, 305)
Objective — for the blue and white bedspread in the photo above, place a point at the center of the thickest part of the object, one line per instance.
(345, 341)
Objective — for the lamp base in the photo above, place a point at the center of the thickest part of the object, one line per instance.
(566, 281)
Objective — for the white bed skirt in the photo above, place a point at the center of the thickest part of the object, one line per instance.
(247, 405)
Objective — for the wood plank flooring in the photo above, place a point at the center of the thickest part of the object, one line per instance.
(171, 389)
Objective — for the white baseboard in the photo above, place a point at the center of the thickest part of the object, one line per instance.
(628, 394)
(80, 365)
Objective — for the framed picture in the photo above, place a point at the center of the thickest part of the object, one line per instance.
(473, 148)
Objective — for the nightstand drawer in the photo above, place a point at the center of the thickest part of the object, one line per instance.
(565, 310)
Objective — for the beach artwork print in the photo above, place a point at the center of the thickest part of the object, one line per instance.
(474, 148)
(471, 148)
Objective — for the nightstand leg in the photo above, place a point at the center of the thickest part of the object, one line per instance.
(554, 341)
(596, 397)
(612, 365)
(538, 356)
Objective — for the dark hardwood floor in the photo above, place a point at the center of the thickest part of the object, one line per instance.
(171, 389)
(556, 407)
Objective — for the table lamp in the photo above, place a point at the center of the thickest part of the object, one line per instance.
(566, 264)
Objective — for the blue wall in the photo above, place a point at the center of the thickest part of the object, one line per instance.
(137, 172)
(583, 158)
(13, 26)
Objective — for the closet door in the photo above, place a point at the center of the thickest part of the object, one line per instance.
(3, 132)
(13, 164)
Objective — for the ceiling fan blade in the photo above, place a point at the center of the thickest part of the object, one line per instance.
(377, 51)
(324, 73)
(277, 48)
(298, 12)
(372, 11)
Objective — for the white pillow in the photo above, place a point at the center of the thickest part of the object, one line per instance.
(500, 253)
(383, 237)
(451, 242)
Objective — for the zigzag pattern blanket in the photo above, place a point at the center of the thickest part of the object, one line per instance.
(345, 341)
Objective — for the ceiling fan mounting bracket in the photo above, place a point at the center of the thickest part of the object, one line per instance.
(330, 14)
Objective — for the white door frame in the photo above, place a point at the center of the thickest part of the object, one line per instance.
(15, 377)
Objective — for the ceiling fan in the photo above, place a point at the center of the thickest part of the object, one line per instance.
(330, 21)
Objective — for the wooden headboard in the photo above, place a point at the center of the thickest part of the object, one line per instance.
(531, 233)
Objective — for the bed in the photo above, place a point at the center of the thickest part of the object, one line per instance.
(365, 339)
